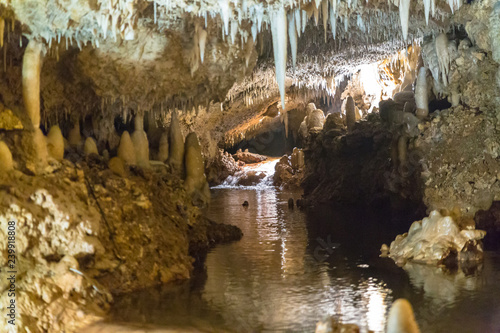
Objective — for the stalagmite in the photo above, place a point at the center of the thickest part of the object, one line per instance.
(350, 114)
(126, 149)
(421, 98)
(55, 143)
(195, 181)
(163, 147)
(443, 56)
(2, 27)
(176, 145)
(90, 147)
(140, 141)
(74, 136)
(401, 318)
(279, 32)
(31, 81)
(292, 32)
(6, 163)
(404, 13)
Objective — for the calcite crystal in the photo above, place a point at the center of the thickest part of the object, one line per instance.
(435, 239)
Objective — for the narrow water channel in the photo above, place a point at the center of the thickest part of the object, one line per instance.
(293, 268)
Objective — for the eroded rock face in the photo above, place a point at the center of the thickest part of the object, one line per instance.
(221, 167)
(70, 232)
(437, 239)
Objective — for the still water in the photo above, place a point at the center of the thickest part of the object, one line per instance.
(293, 268)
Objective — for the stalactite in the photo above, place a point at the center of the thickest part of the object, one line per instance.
(292, 32)
(404, 13)
(279, 33)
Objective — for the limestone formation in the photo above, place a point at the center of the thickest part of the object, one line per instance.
(195, 181)
(6, 163)
(31, 81)
(163, 147)
(435, 239)
(126, 150)
(55, 143)
(421, 91)
(117, 165)
(401, 318)
(74, 136)
(176, 145)
(297, 159)
(34, 151)
(141, 144)
(350, 114)
(443, 57)
(90, 147)
(315, 119)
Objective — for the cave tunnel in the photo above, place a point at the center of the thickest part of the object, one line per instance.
(249, 166)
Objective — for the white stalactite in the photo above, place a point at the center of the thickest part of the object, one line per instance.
(224, 12)
(279, 32)
(427, 8)
(202, 40)
(292, 32)
(404, 13)
(333, 20)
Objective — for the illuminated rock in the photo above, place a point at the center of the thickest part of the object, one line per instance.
(6, 163)
(55, 143)
(350, 114)
(141, 144)
(90, 147)
(401, 318)
(74, 136)
(195, 181)
(435, 239)
(176, 144)
(126, 150)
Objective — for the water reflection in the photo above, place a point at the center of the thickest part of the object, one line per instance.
(273, 280)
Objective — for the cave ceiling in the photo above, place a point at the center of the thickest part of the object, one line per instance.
(158, 55)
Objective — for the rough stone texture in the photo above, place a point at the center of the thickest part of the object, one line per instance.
(437, 239)
(69, 220)
(356, 166)
(221, 167)
(289, 171)
(460, 147)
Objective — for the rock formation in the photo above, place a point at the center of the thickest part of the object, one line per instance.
(437, 239)
(90, 147)
(401, 318)
(350, 114)
(195, 182)
(176, 145)
(55, 143)
(126, 150)
(163, 148)
(140, 141)
(6, 163)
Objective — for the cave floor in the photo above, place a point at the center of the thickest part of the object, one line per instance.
(293, 268)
